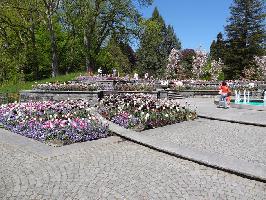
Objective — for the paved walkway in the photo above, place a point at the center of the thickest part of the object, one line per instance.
(114, 168)
(207, 108)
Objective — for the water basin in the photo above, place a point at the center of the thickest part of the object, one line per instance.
(251, 103)
(254, 104)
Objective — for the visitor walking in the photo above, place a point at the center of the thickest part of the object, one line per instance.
(225, 94)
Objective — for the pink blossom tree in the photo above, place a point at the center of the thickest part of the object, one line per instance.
(216, 69)
(261, 64)
(199, 62)
(257, 71)
(174, 68)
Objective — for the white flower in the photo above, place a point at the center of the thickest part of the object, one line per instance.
(147, 116)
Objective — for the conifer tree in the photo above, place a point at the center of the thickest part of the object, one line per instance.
(245, 36)
(217, 48)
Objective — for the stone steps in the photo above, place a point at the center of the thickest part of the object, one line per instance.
(174, 96)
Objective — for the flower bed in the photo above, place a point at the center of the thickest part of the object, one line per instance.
(66, 87)
(141, 112)
(96, 78)
(135, 87)
(63, 122)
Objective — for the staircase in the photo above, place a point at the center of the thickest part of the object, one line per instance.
(174, 96)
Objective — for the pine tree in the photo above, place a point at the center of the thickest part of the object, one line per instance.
(245, 36)
(217, 48)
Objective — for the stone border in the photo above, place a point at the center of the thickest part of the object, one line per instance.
(248, 107)
(42, 95)
(232, 121)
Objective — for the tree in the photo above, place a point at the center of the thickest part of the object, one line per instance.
(18, 24)
(245, 36)
(170, 40)
(113, 57)
(187, 56)
(174, 68)
(199, 62)
(51, 8)
(97, 21)
(261, 65)
(216, 69)
(42, 38)
(156, 42)
(217, 48)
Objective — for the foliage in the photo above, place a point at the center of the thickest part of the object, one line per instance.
(43, 38)
(217, 49)
(245, 36)
(156, 42)
(113, 57)
(13, 87)
(187, 60)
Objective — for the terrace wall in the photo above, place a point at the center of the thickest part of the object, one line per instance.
(40, 95)
(92, 96)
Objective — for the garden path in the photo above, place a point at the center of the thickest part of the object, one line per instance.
(111, 168)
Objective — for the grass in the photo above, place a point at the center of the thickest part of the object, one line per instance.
(11, 87)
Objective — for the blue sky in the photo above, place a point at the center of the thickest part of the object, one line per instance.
(196, 22)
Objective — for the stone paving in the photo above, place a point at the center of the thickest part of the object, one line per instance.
(207, 108)
(115, 169)
(244, 142)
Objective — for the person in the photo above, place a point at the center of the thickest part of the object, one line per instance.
(100, 71)
(225, 94)
(136, 77)
(146, 76)
(114, 72)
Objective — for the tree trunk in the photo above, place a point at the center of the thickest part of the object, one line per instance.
(53, 45)
(34, 48)
(87, 57)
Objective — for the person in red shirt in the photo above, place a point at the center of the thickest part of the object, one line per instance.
(225, 94)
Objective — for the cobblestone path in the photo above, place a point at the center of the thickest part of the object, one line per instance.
(115, 169)
(243, 142)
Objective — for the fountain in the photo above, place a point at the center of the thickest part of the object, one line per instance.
(236, 96)
(245, 98)
(247, 102)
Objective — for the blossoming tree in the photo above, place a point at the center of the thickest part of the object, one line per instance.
(216, 69)
(173, 68)
(261, 64)
(199, 62)
(258, 71)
